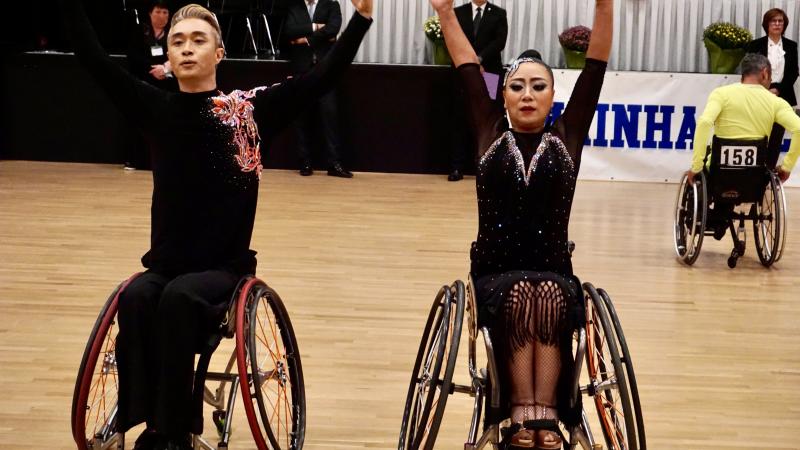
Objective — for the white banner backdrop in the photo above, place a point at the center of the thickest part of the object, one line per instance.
(644, 126)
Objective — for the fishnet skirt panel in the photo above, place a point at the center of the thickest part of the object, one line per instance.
(534, 311)
(531, 317)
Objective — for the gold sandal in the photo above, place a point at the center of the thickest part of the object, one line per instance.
(522, 438)
(547, 435)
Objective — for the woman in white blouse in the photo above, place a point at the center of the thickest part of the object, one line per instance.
(782, 54)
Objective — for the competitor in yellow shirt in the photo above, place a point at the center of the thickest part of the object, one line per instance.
(747, 110)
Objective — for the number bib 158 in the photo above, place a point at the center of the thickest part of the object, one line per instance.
(737, 156)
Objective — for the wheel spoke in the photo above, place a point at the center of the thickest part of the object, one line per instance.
(433, 408)
(287, 418)
(421, 394)
(271, 377)
(263, 338)
(275, 409)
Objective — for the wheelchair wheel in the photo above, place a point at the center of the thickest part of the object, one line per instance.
(94, 401)
(622, 345)
(770, 223)
(269, 367)
(608, 383)
(431, 381)
(784, 220)
(690, 218)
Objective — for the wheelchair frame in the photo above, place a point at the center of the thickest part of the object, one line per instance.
(767, 210)
(428, 391)
(250, 298)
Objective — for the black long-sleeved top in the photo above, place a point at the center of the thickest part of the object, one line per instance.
(206, 149)
(526, 182)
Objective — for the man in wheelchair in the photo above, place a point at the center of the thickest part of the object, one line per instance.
(206, 154)
(742, 113)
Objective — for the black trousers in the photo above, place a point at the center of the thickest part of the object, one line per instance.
(163, 322)
(137, 152)
(327, 108)
(462, 142)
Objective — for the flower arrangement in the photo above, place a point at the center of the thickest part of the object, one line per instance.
(727, 35)
(725, 43)
(575, 38)
(433, 29)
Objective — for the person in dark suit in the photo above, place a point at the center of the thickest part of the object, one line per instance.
(486, 28)
(147, 48)
(311, 29)
(782, 55)
(147, 60)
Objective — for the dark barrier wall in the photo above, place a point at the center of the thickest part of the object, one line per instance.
(393, 118)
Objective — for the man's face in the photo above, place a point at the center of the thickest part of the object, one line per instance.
(193, 51)
(479, 2)
(159, 17)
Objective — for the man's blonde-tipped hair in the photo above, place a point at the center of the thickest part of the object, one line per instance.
(195, 11)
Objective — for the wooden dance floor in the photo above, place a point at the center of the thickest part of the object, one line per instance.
(358, 263)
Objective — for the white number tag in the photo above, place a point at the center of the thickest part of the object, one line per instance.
(736, 156)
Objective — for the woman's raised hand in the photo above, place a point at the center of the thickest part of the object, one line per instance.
(440, 5)
(364, 7)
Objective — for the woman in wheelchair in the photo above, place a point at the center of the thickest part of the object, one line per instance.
(521, 267)
(206, 154)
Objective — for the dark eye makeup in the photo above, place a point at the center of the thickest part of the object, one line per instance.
(519, 87)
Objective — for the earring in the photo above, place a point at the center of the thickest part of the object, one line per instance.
(508, 119)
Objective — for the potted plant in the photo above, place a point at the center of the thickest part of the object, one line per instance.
(575, 42)
(433, 31)
(725, 43)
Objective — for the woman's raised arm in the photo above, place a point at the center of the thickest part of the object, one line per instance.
(461, 51)
(602, 31)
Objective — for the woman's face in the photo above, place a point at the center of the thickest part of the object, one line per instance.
(159, 17)
(528, 97)
(776, 26)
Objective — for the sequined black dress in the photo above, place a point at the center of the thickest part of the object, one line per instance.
(525, 188)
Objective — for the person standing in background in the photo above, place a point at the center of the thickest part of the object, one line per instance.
(147, 60)
(782, 55)
(147, 49)
(311, 28)
(486, 28)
